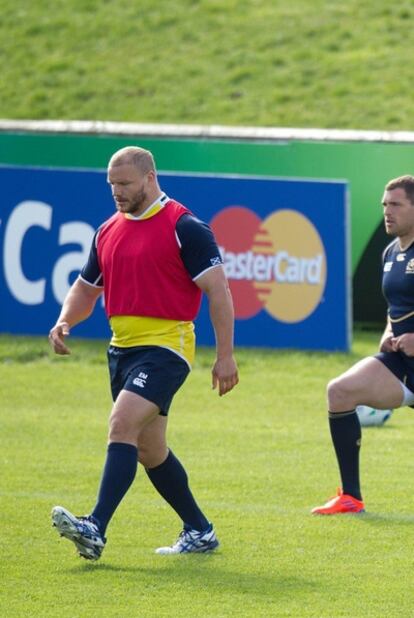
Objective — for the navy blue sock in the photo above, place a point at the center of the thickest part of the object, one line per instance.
(346, 436)
(171, 481)
(118, 473)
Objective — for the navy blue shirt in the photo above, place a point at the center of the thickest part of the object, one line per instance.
(398, 286)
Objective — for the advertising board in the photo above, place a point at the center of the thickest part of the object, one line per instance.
(283, 241)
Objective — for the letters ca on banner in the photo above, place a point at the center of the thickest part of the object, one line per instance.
(34, 214)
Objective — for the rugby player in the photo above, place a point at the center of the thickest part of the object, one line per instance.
(386, 380)
(152, 260)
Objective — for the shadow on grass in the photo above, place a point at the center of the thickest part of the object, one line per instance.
(386, 518)
(203, 572)
(399, 519)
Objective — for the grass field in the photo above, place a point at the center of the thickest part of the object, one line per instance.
(262, 63)
(258, 459)
(261, 457)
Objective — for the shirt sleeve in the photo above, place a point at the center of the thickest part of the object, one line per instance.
(199, 250)
(91, 272)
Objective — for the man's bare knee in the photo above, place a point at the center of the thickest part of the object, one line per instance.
(339, 395)
(121, 429)
(152, 456)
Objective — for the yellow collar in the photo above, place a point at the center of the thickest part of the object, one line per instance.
(152, 209)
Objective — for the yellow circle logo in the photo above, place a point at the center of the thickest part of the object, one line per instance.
(297, 265)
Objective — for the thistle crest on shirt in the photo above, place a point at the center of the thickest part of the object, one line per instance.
(410, 267)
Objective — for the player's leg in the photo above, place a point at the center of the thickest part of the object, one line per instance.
(170, 479)
(130, 372)
(368, 382)
(168, 475)
(130, 414)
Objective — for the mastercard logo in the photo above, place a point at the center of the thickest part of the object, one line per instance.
(278, 264)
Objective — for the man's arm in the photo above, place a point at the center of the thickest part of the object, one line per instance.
(77, 306)
(214, 284)
(386, 339)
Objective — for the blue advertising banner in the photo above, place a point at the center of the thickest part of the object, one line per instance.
(284, 245)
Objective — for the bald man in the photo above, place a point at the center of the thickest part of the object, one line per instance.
(152, 260)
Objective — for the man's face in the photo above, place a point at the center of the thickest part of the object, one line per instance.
(398, 213)
(129, 188)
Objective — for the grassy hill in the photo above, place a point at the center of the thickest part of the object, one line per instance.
(304, 63)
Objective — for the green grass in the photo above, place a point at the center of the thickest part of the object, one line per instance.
(258, 460)
(262, 63)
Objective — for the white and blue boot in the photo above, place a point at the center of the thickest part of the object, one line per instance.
(192, 541)
(82, 531)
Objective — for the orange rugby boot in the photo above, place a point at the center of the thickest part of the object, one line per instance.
(341, 503)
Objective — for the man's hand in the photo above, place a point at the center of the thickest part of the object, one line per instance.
(57, 337)
(386, 344)
(225, 374)
(404, 343)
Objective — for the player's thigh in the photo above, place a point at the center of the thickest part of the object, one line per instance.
(368, 382)
(131, 412)
(152, 442)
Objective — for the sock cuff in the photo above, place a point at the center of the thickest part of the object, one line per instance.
(122, 447)
(338, 415)
(160, 466)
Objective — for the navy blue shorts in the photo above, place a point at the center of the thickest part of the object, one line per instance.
(153, 372)
(400, 365)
